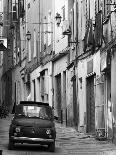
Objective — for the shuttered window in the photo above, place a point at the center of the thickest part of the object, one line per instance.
(14, 12)
(63, 13)
(29, 49)
(21, 10)
(106, 8)
(72, 23)
(98, 5)
(34, 54)
(45, 34)
(49, 28)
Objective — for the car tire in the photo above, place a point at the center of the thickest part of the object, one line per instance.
(51, 147)
(11, 145)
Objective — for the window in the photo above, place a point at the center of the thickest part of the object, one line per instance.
(18, 55)
(21, 8)
(29, 49)
(71, 23)
(87, 12)
(23, 53)
(80, 82)
(34, 90)
(103, 5)
(63, 13)
(14, 11)
(40, 39)
(35, 46)
(38, 88)
(107, 7)
(45, 29)
(42, 83)
(1, 58)
(49, 28)
(46, 81)
(14, 50)
(98, 29)
(98, 6)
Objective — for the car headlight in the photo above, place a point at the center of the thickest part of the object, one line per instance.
(17, 129)
(48, 131)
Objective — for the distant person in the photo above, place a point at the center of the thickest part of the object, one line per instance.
(13, 110)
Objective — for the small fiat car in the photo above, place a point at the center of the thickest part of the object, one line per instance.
(33, 123)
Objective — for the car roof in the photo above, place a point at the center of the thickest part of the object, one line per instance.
(33, 103)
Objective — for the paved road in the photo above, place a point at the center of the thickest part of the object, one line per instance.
(68, 142)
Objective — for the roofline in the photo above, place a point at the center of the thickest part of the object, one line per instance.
(34, 102)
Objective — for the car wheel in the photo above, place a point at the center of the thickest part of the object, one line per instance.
(11, 145)
(51, 147)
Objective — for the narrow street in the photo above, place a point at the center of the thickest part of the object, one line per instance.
(68, 141)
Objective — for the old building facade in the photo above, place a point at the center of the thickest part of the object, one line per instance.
(64, 54)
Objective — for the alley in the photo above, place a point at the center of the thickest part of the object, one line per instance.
(68, 141)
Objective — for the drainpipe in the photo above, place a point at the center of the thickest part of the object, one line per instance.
(52, 63)
(113, 124)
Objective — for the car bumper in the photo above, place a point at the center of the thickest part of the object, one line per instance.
(31, 140)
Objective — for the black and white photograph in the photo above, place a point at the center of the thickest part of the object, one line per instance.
(58, 77)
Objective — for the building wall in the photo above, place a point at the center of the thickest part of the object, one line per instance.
(82, 75)
(60, 41)
(69, 97)
(17, 91)
(113, 92)
(59, 67)
(32, 17)
(35, 75)
(6, 76)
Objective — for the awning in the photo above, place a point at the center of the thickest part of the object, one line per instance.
(60, 54)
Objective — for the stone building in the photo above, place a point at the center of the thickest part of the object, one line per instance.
(64, 54)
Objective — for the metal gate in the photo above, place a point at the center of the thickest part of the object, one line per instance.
(90, 105)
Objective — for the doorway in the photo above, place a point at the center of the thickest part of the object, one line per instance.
(58, 96)
(90, 105)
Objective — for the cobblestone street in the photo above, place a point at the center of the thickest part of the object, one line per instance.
(68, 141)
(78, 143)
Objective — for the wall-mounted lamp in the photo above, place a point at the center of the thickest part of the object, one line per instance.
(2, 47)
(58, 19)
(28, 35)
(1, 24)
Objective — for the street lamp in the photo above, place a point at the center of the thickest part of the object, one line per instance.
(2, 47)
(58, 19)
(28, 35)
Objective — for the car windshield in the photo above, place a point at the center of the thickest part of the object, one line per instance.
(42, 112)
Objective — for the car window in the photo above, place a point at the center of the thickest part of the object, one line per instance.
(42, 112)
